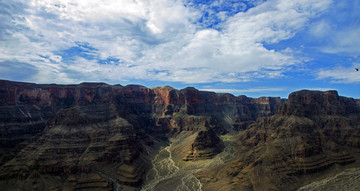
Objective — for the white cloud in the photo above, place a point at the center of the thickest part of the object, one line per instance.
(238, 47)
(345, 41)
(338, 30)
(341, 74)
(320, 29)
(155, 39)
(338, 36)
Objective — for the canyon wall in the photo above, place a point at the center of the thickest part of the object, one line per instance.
(310, 133)
(96, 135)
(105, 137)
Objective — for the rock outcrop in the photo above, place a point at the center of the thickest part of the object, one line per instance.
(310, 133)
(205, 146)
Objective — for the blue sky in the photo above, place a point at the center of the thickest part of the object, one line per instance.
(244, 47)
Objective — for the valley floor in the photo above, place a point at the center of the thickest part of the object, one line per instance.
(171, 172)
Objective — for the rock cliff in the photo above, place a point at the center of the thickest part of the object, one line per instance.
(310, 133)
(105, 137)
(95, 135)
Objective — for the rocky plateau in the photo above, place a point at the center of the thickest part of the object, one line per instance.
(95, 136)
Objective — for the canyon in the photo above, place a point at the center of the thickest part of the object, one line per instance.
(95, 136)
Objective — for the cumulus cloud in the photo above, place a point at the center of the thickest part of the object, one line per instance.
(236, 53)
(154, 39)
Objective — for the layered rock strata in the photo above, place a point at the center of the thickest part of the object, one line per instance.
(205, 146)
(310, 133)
(95, 135)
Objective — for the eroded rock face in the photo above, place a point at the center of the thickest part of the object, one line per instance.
(74, 137)
(205, 146)
(78, 141)
(311, 132)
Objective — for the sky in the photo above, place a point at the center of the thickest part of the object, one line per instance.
(243, 47)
